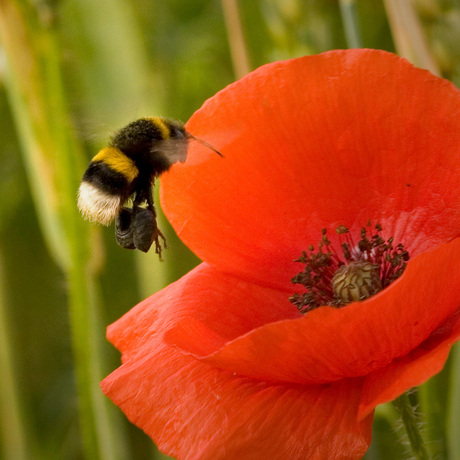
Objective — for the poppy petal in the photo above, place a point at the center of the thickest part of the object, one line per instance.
(233, 307)
(328, 344)
(338, 138)
(194, 411)
(412, 370)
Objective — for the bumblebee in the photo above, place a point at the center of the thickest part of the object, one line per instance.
(125, 172)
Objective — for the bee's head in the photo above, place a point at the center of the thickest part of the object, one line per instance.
(176, 129)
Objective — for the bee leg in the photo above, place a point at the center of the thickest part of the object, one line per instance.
(143, 225)
(158, 234)
(146, 231)
(143, 228)
(158, 248)
(135, 228)
(123, 229)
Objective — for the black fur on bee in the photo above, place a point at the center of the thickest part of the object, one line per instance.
(126, 170)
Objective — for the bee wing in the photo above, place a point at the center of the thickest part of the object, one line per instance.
(175, 150)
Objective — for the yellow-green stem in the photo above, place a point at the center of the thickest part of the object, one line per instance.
(351, 23)
(453, 415)
(53, 158)
(236, 39)
(432, 396)
(14, 437)
(408, 35)
(412, 426)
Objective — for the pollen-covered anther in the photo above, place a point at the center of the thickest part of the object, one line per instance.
(356, 281)
(355, 272)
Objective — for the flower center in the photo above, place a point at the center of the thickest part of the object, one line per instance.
(362, 270)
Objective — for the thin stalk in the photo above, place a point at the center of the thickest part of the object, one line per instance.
(412, 426)
(433, 403)
(351, 25)
(408, 34)
(23, 84)
(453, 406)
(238, 48)
(53, 158)
(13, 434)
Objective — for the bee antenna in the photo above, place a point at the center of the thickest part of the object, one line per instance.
(202, 142)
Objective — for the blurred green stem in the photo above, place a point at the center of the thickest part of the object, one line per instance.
(408, 35)
(53, 160)
(351, 23)
(411, 424)
(433, 404)
(13, 433)
(453, 406)
(238, 48)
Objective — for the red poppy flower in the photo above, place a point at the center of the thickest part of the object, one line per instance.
(220, 364)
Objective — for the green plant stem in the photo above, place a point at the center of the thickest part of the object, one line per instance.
(14, 438)
(411, 424)
(453, 406)
(236, 39)
(351, 23)
(53, 161)
(408, 35)
(433, 404)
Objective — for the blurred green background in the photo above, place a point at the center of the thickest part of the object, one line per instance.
(72, 72)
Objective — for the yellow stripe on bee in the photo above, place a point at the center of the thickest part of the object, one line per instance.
(118, 161)
(161, 125)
